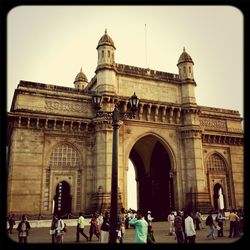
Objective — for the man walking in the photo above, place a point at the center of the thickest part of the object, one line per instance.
(80, 228)
(23, 229)
(210, 223)
(189, 228)
(141, 227)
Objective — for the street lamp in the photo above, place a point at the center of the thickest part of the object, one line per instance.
(116, 117)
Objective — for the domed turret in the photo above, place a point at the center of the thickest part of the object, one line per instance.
(106, 51)
(185, 65)
(184, 57)
(106, 40)
(81, 80)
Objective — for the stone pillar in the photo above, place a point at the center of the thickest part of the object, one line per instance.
(197, 195)
(103, 164)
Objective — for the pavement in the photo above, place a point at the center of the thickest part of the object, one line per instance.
(161, 229)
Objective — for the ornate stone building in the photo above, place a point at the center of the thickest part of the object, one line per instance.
(60, 153)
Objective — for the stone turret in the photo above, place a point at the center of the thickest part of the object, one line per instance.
(105, 71)
(81, 80)
(106, 50)
(185, 65)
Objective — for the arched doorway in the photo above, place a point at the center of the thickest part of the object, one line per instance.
(153, 175)
(62, 199)
(218, 197)
(218, 180)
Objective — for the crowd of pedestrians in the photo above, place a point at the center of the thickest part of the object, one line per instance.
(183, 225)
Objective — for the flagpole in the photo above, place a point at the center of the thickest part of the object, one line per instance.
(146, 56)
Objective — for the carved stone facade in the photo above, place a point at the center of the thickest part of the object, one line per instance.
(60, 152)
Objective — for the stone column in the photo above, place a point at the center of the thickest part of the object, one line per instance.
(103, 164)
(196, 192)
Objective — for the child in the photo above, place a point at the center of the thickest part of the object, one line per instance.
(150, 236)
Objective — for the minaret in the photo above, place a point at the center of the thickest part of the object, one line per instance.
(81, 80)
(185, 65)
(105, 73)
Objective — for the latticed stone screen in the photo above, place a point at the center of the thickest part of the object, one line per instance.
(215, 163)
(64, 155)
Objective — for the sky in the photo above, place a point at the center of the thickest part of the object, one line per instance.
(49, 44)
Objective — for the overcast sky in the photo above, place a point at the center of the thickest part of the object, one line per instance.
(49, 44)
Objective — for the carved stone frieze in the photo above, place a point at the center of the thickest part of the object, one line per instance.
(213, 124)
(66, 106)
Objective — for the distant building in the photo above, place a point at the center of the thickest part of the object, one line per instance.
(60, 153)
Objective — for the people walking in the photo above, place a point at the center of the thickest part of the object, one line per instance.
(94, 228)
(149, 218)
(197, 219)
(59, 230)
(233, 217)
(121, 224)
(150, 235)
(100, 219)
(141, 227)
(105, 227)
(210, 223)
(189, 228)
(11, 222)
(178, 224)
(171, 223)
(80, 228)
(219, 219)
(23, 229)
(53, 228)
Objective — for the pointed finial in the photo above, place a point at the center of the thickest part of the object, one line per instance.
(184, 50)
(106, 31)
(81, 69)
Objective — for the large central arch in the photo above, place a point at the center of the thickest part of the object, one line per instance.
(153, 176)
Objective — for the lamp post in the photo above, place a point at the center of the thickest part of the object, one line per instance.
(116, 116)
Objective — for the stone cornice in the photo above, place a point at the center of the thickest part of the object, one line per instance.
(28, 85)
(49, 123)
(223, 139)
(146, 73)
(218, 112)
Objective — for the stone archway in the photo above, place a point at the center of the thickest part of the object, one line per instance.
(62, 199)
(153, 175)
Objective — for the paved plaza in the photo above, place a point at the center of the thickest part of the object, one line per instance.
(41, 235)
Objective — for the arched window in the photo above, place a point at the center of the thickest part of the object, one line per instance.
(108, 53)
(64, 155)
(215, 163)
(102, 53)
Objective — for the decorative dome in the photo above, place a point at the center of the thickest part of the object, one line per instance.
(185, 57)
(106, 40)
(81, 77)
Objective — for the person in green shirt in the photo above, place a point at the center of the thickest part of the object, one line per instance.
(141, 227)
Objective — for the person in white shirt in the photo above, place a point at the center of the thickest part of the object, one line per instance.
(59, 231)
(80, 228)
(189, 228)
(171, 218)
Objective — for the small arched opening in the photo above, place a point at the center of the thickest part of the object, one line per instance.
(218, 197)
